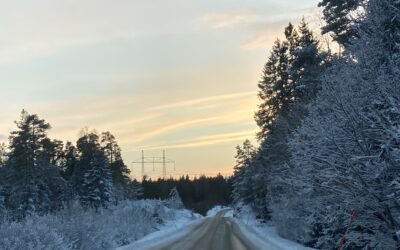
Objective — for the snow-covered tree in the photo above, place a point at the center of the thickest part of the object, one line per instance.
(87, 145)
(97, 183)
(290, 81)
(342, 18)
(242, 186)
(30, 181)
(123, 187)
(345, 157)
(174, 200)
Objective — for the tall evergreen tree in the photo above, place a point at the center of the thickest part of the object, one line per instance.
(112, 151)
(123, 186)
(290, 81)
(242, 186)
(274, 88)
(307, 65)
(97, 183)
(34, 184)
(87, 145)
(70, 160)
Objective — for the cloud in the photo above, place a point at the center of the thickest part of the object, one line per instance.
(264, 36)
(207, 140)
(224, 20)
(31, 30)
(171, 127)
(211, 99)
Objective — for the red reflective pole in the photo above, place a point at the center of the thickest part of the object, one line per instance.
(352, 219)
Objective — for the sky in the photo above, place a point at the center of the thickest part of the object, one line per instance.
(176, 75)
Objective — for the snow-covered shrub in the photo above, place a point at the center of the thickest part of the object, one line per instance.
(78, 228)
(174, 201)
(34, 233)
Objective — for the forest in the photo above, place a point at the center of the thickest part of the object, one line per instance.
(327, 170)
(39, 175)
(198, 194)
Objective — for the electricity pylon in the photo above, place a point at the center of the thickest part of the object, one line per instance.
(155, 160)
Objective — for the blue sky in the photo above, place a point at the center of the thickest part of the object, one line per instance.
(176, 75)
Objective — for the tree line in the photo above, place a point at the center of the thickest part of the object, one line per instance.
(40, 175)
(330, 132)
(198, 194)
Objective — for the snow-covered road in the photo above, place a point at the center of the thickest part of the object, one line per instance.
(212, 233)
(218, 232)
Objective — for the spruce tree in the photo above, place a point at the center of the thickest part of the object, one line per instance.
(97, 183)
(174, 200)
(307, 65)
(274, 88)
(87, 145)
(242, 189)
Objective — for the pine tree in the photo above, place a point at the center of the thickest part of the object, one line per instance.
(112, 151)
(34, 184)
(123, 186)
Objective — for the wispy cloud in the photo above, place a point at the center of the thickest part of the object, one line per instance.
(264, 36)
(171, 127)
(224, 20)
(207, 140)
(212, 99)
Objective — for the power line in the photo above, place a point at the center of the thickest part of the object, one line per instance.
(155, 160)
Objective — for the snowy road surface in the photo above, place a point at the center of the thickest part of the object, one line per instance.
(212, 233)
(215, 233)
(219, 232)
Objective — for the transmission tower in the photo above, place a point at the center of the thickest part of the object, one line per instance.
(155, 160)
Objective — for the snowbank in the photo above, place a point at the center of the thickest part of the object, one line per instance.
(262, 234)
(213, 211)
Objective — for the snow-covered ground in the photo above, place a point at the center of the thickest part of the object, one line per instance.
(173, 229)
(77, 228)
(263, 234)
